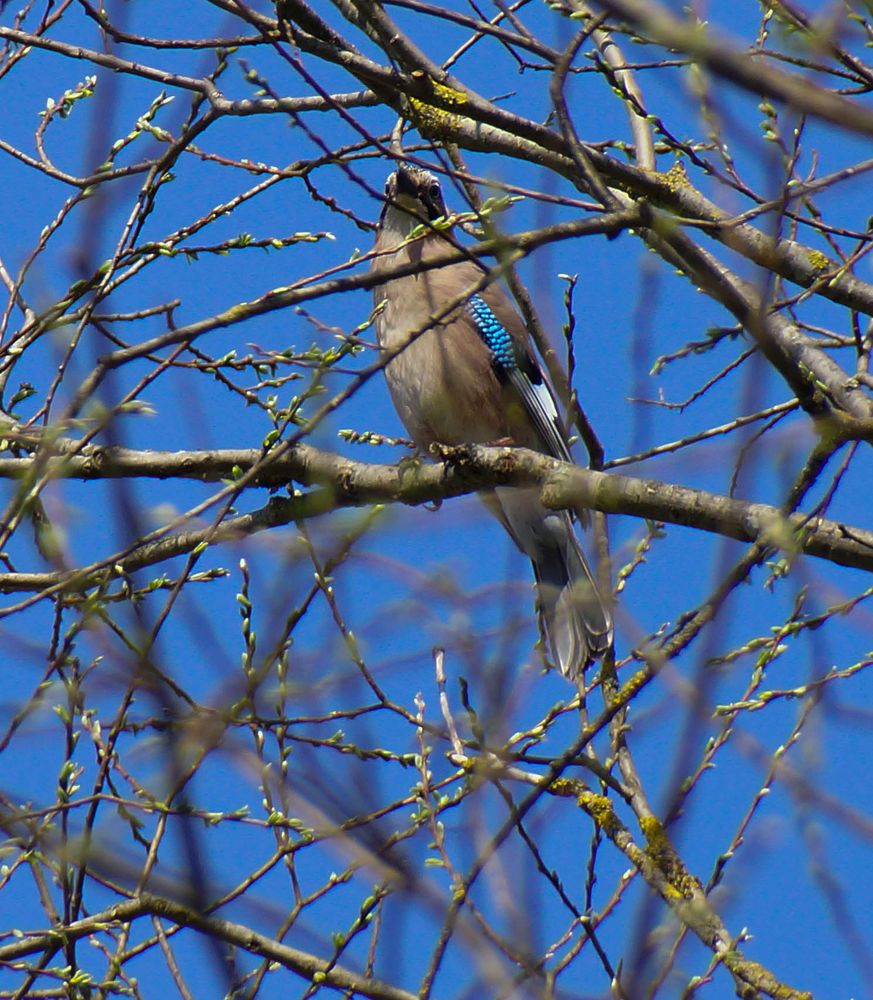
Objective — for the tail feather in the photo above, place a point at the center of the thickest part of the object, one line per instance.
(574, 617)
(573, 614)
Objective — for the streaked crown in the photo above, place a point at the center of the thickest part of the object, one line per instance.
(412, 196)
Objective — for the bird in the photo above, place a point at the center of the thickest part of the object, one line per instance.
(461, 369)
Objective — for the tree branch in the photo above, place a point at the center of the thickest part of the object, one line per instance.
(721, 56)
(341, 482)
(309, 966)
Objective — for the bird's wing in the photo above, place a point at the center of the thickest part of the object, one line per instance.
(502, 331)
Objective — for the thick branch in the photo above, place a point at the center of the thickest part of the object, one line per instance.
(658, 862)
(742, 68)
(465, 469)
(470, 121)
(442, 106)
(304, 964)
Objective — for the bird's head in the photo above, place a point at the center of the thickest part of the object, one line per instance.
(412, 196)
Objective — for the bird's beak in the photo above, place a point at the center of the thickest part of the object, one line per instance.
(405, 195)
(405, 183)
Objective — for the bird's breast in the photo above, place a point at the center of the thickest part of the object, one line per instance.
(440, 377)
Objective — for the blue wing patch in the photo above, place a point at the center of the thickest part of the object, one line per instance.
(493, 332)
(521, 372)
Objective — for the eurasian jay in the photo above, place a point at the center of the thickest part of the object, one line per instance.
(466, 373)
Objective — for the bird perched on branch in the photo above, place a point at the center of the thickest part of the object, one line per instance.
(466, 373)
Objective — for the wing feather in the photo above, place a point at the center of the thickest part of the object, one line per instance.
(516, 366)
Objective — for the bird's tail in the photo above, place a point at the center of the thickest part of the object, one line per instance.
(574, 617)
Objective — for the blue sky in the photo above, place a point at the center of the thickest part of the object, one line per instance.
(416, 578)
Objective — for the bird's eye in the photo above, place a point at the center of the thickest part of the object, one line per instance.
(434, 191)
